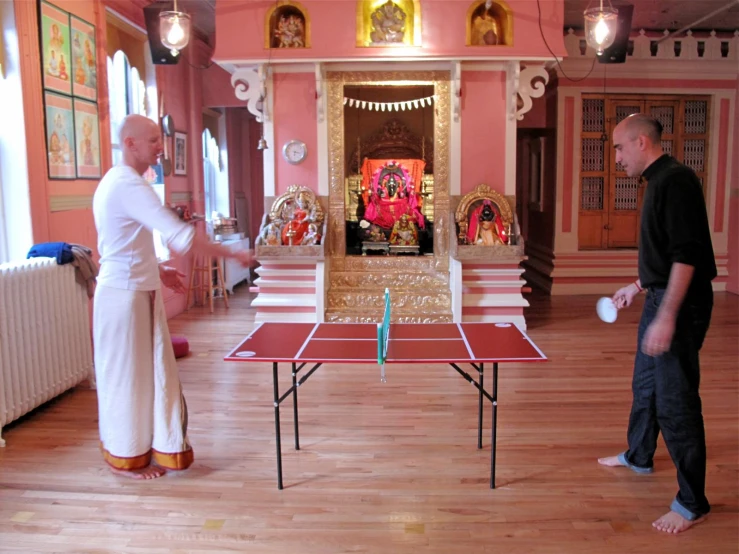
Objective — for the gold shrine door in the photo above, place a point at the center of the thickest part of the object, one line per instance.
(610, 200)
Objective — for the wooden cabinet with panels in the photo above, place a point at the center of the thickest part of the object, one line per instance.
(610, 200)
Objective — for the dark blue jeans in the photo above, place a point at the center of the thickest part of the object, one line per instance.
(666, 399)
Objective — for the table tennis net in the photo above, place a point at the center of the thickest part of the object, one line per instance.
(383, 331)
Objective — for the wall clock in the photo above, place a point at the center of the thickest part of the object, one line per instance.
(294, 151)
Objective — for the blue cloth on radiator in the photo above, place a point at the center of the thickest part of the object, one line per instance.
(59, 250)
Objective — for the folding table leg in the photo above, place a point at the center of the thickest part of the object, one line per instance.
(277, 425)
(295, 407)
(479, 408)
(494, 426)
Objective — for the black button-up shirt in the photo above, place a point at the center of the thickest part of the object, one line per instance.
(674, 226)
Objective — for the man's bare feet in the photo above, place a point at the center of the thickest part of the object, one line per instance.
(620, 461)
(610, 461)
(672, 522)
(149, 472)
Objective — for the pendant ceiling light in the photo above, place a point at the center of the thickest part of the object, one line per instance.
(174, 29)
(600, 27)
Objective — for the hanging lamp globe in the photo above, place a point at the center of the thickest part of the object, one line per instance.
(600, 27)
(174, 30)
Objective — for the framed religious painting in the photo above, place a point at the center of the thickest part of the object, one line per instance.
(55, 48)
(180, 153)
(60, 141)
(87, 139)
(84, 59)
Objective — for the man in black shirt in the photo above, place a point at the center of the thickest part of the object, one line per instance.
(676, 266)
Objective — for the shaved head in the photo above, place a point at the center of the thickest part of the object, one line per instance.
(638, 143)
(642, 124)
(140, 141)
(135, 126)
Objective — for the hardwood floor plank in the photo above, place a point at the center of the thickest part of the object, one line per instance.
(387, 468)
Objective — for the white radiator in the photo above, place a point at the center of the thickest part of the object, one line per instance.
(45, 341)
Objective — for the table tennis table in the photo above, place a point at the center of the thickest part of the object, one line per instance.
(301, 344)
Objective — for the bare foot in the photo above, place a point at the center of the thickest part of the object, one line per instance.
(620, 461)
(672, 522)
(610, 461)
(149, 472)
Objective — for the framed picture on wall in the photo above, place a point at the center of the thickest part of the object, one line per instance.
(59, 136)
(87, 143)
(180, 153)
(55, 48)
(84, 59)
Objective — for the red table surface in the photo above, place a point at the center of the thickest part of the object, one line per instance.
(409, 343)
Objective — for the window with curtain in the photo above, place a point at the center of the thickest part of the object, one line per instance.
(215, 178)
(210, 170)
(127, 94)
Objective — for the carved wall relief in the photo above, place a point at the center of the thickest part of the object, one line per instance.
(489, 23)
(287, 26)
(388, 23)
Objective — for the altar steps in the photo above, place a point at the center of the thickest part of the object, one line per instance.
(419, 292)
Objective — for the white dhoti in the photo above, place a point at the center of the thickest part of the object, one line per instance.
(142, 412)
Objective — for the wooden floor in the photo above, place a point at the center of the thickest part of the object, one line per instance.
(386, 468)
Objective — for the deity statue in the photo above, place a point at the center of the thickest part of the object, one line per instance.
(376, 234)
(392, 196)
(299, 220)
(486, 226)
(312, 237)
(290, 32)
(485, 29)
(294, 219)
(270, 235)
(389, 24)
(404, 232)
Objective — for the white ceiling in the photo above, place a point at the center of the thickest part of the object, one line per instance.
(663, 14)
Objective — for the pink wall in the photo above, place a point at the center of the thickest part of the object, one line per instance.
(47, 225)
(173, 81)
(245, 167)
(256, 176)
(181, 87)
(217, 89)
(295, 118)
(483, 130)
(333, 29)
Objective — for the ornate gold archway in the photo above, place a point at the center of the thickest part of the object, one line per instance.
(337, 178)
(424, 280)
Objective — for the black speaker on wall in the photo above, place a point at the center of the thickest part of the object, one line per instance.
(160, 54)
(616, 52)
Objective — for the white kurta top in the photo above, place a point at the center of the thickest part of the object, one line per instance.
(126, 210)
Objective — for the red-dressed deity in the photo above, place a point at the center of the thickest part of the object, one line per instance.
(391, 195)
(486, 226)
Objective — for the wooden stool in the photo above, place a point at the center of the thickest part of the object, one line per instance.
(204, 266)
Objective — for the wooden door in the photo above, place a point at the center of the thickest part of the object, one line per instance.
(623, 195)
(594, 157)
(692, 148)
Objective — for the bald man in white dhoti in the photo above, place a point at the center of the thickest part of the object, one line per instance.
(142, 411)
